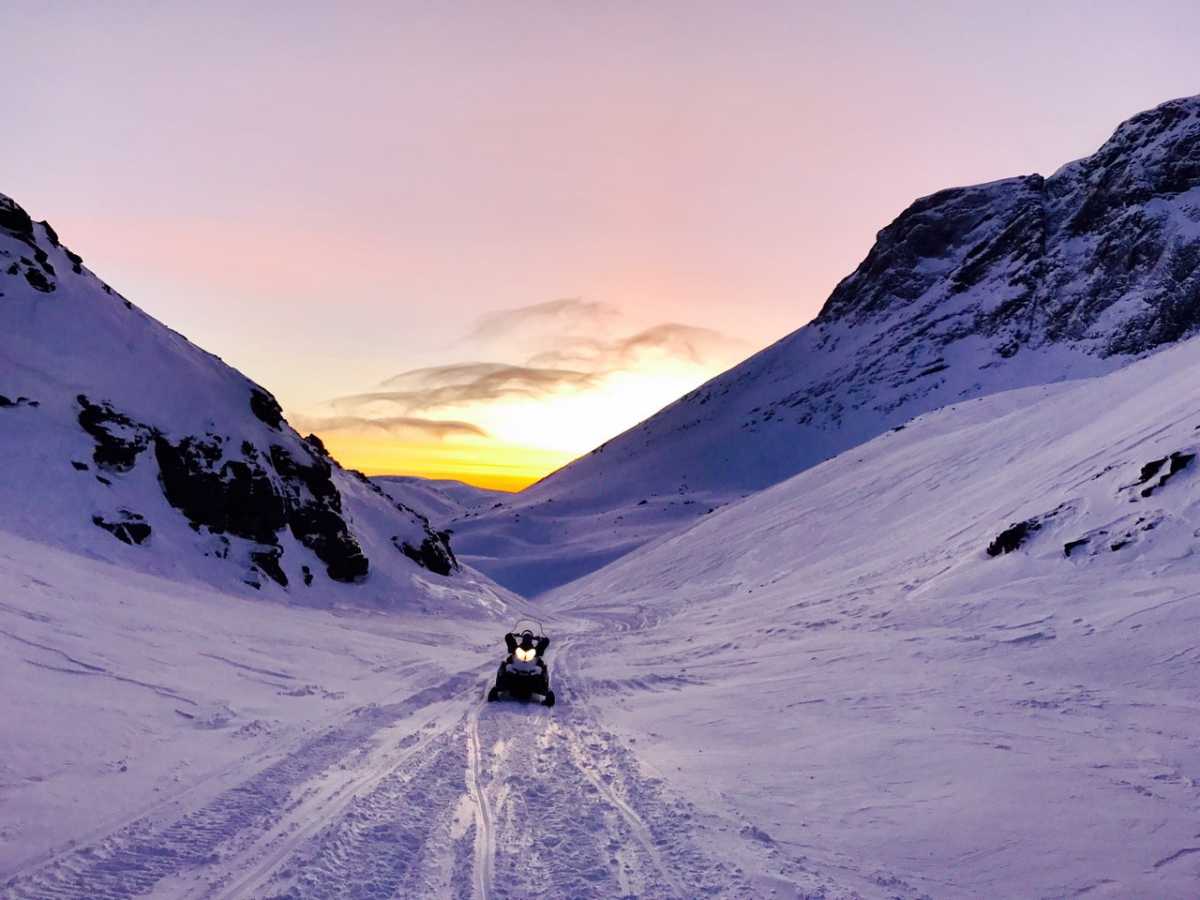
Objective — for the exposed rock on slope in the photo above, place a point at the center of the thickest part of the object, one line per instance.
(139, 438)
(972, 290)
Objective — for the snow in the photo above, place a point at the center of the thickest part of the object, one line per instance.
(439, 499)
(827, 689)
(84, 339)
(839, 660)
(969, 292)
(932, 636)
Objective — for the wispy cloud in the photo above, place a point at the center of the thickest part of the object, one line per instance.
(570, 315)
(571, 372)
(464, 383)
(399, 426)
(671, 339)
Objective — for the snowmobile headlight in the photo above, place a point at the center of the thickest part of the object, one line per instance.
(526, 655)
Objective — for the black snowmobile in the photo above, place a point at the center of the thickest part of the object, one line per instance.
(524, 673)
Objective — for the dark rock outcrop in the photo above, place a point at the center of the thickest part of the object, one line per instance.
(315, 514)
(8, 403)
(1012, 537)
(15, 220)
(127, 527)
(223, 495)
(118, 438)
(433, 554)
(265, 408)
(1175, 463)
(267, 561)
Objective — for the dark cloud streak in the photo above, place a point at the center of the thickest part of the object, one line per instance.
(441, 386)
(400, 425)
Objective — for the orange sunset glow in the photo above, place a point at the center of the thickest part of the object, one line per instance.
(580, 380)
(697, 176)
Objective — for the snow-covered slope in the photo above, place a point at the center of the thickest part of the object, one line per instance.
(959, 659)
(121, 439)
(439, 499)
(970, 291)
(127, 694)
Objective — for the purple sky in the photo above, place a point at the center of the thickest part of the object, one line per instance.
(330, 199)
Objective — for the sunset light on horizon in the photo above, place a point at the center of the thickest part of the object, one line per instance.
(330, 202)
(578, 379)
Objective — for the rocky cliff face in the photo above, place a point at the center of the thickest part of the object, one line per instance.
(1104, 252)
(969, 291)
(116, 431)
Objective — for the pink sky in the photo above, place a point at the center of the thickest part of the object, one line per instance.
(327, 199)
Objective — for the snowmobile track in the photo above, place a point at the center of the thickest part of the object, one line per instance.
(135, 859)
(485, 842)
(391, 841)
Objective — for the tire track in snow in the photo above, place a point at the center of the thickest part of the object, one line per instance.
(558, 832)
(133, 860)
(670, 829)
(393, 841)
(485, 842)
(246, 875)
(585, 765)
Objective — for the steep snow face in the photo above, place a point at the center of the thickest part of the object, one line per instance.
(970, 291)
(120, 438)
(971, 643)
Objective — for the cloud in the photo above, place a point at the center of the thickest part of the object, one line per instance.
(672, 339)
(401, 426)
(571, 315)
(563, 347)
(462, 383)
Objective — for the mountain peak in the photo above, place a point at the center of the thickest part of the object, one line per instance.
(1104, 251)
(970, 291)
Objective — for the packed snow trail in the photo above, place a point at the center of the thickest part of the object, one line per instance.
(485, 847)
(440, 794)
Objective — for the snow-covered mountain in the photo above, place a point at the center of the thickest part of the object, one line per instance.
(439, 499)
(956, 661)
(121, 439)
(973, 290)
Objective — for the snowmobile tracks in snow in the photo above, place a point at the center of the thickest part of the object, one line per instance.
(484, 835)
(136, 858)
(392, 840)
(439, 795)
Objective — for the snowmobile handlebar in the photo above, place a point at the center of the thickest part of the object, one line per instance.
(517, 629)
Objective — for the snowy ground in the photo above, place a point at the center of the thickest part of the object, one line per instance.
(840, 660)
(828, 689)
(181, 743)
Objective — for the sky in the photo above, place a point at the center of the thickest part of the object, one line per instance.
(475, 240)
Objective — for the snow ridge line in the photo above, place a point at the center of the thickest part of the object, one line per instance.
(485, 835)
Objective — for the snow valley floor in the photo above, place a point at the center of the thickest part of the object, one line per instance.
(831, 688)
(175, 742)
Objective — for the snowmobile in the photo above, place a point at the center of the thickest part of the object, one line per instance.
(523, 673)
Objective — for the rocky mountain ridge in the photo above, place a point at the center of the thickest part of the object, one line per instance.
(115, 430)
(970, 291)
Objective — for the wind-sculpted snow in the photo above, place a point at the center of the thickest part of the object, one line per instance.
(112, 421)
(972, 290)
